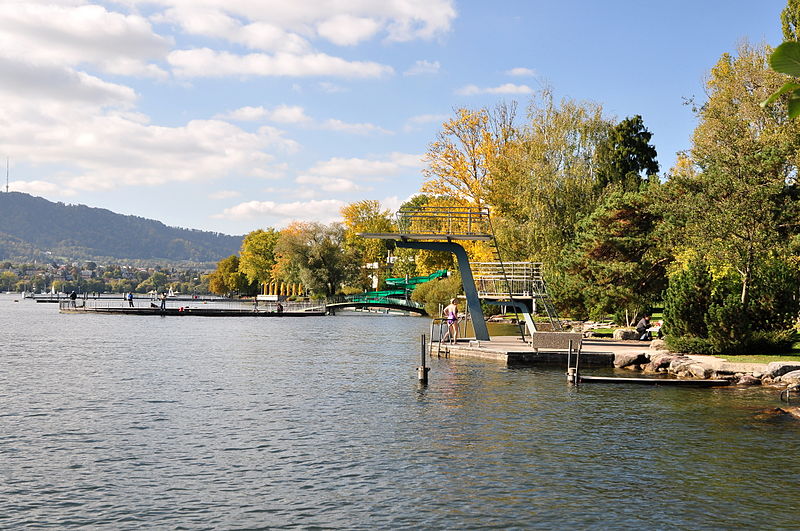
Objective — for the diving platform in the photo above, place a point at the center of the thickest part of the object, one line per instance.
(397, 236)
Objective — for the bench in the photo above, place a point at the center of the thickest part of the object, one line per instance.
(556, 340)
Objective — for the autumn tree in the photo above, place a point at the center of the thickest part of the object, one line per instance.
(257, 257)
(790, 21)
(544, 184)
(227, 279)
(368, 216)
(315, 255)
(460, 159)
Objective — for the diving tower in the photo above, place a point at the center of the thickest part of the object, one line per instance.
(436, 228)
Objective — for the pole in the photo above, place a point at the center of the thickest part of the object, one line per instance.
(422, 370)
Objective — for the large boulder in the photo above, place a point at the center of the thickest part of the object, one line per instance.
(791, 377)
(776, 369)
(622, 334)
(746, 379)
(625, 359)
(659, 363)
(658, 344)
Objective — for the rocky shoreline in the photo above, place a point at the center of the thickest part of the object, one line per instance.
(658, 360)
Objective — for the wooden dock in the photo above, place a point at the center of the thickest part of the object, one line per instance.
(511, 350)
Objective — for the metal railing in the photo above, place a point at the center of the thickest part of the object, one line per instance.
(243, 305)
(454, 220)
(499, 278)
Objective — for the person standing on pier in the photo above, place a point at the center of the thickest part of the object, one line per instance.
(163, 301)
(130, 299)
(450, 313)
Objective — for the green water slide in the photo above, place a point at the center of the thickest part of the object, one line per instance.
(409, 283)
(401, 287)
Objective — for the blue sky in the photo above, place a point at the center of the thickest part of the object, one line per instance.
(233, 115)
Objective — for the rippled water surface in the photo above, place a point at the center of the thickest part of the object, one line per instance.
(125, 422)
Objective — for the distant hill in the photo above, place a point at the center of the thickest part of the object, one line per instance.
(35, 228)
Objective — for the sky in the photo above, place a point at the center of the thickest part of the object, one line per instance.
(236, 115)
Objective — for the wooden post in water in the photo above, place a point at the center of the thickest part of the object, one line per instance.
(422, 370)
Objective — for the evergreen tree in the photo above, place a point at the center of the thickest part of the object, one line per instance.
(625, 154)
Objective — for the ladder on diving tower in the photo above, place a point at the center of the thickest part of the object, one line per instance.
(512, 282)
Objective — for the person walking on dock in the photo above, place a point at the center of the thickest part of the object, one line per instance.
(450, 313)
(163, 301)
(130, 299)
(72, 298)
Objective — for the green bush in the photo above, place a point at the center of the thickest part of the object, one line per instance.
(772, 341)
(688, 345)
(704, 313)
(437, 292)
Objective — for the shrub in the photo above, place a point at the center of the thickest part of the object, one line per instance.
(688, 345)
(437, 292)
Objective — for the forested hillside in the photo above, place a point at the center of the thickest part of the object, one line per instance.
(35, 228)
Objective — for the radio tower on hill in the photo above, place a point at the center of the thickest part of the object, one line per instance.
(6, 174)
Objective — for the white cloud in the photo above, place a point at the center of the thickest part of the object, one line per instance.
(205, 62)
(331, 88)
(329, 184)
(423, 67)
(352, 168)
(323, 210)
(507, 88)
(294, 114)
(40, 188)
(347, 30)
(224, 194)
(521, 72)
(333, 124)
(343, 22)
(413, 123)
(70, 35)
(57, 83)
(288, 114)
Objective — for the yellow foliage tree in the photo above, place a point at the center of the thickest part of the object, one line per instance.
(460, 158)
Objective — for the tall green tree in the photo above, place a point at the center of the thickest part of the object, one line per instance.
(544, 184)
(617, 263)
(738, 207)
(625, 154)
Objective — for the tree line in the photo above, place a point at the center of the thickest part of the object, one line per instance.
(715, 239)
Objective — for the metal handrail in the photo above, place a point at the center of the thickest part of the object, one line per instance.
(456, 220)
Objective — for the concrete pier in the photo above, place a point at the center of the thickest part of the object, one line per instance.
(510, 350)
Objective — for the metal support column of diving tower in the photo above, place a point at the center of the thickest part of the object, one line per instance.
(438, 229)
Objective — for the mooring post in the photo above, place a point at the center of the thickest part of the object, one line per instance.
(422, 370)
(572, 372)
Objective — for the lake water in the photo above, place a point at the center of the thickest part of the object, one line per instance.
(126, 422)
